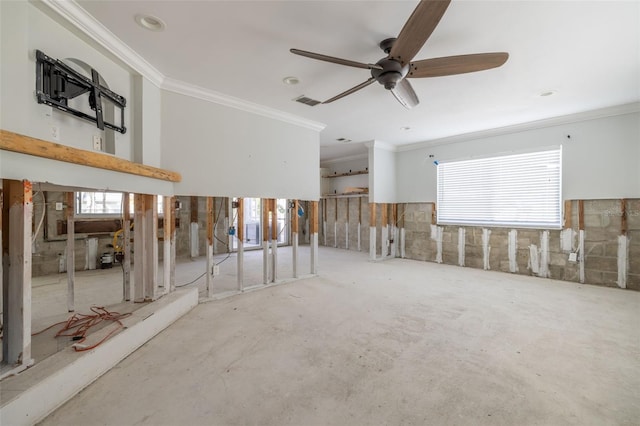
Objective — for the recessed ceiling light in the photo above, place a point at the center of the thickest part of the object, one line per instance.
(290, 80)
(405, 128)
(548, 93)
(150, 22)
(343, 140)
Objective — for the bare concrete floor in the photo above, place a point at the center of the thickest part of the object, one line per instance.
(393, 342)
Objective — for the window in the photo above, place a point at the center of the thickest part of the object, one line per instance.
(522, 190)
(104, 204)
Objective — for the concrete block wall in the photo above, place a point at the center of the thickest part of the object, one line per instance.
(358, 213)
(603, 226)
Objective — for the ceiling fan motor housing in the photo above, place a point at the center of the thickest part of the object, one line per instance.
(391, 73)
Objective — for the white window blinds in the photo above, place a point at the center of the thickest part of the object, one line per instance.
(522, 190)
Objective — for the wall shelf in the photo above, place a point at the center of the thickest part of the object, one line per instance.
(359, 172)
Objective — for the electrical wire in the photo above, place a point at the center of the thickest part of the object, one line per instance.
(44, 211)
(78, 325)
(191, 282)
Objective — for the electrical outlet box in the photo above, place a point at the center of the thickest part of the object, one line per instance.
(97, 142)
(235, 204)
(59, 206)
(573, 257)
(216, 270)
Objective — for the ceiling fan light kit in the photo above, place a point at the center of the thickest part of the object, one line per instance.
(393, 70)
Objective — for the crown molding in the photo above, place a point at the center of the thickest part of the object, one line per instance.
(532, 125)
(208, 95)
(88, 25)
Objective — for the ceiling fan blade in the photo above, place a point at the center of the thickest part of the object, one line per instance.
(417, 29)
(350, 91)
(460, 64)
(405, 94)
(335, 60)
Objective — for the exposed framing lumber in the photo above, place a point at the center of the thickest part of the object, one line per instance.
(240, 235)
(567, 213)
(16, 250)
(266, 205)
(126, 248)
(274, 239)
(140, 252)
(210, 212)
(313, 219)
(581, 215)
(22, 144)
(151, 243)
(294, 238)
(167, 261)
(71, 252)
(172, 254)
(623, 217)
(372, 231)
(434, 214)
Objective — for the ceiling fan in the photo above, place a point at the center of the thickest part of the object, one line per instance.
(393, 70)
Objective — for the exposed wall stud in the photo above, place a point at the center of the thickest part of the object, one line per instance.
(126, 249)
(294, 237)
(139, 248)
(209, 274)
(240, 235)
(71, 252)
(372, 231)
(274, 240)
(314, 236)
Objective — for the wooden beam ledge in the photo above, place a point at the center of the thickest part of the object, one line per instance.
(22, 144)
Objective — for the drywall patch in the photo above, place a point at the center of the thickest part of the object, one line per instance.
(513, 250)
(461, 242)
(567, 239)
(486, 249)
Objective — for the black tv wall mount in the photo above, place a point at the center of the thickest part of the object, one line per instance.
(56, 83)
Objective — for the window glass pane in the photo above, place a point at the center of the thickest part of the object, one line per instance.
(515, 190)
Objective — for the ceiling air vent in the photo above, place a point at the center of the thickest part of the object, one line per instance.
(307, 101)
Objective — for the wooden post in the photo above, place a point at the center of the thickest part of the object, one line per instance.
(402, 231)
(172, 226)
(359, 223)
(567, 213)
(294, 238)
(240, 235)
(384, 219)
(167, 261)
(372, 231)
(210, 246)
(581, 254)
(623, 218)
(434, 214)
(126, 248)
(16, 250)
(265, 240)
(151, 243)
(346, 228)
(324, 220)
(71, 252)
(274, 240)
(394, 229)
(139, 247)
(313, 213)
(335, 224)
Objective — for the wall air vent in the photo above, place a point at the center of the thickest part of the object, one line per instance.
(307, 101)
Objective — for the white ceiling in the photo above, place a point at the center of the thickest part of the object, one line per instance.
(586, 51)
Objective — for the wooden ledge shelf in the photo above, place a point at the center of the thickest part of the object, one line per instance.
(364, 194)
(22, 144)
(359, 172)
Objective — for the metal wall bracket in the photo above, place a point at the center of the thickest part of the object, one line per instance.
(56, 83)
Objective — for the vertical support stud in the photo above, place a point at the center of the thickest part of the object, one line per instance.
(167, 208)
(139, 252)
(294, 238)
(274, 240)
(71, 252)
(265, 240)
(210, 246)
(240, 237)
(126, 248)
(372, 231)
(151, 244)
(314, 236)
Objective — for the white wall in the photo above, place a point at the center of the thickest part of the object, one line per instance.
(382, 173)
(224, 151)
(25, 28)
(601, 159)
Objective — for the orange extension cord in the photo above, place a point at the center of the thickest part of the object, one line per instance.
(78, 325)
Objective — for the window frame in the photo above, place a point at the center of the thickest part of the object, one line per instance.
(495, 167)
